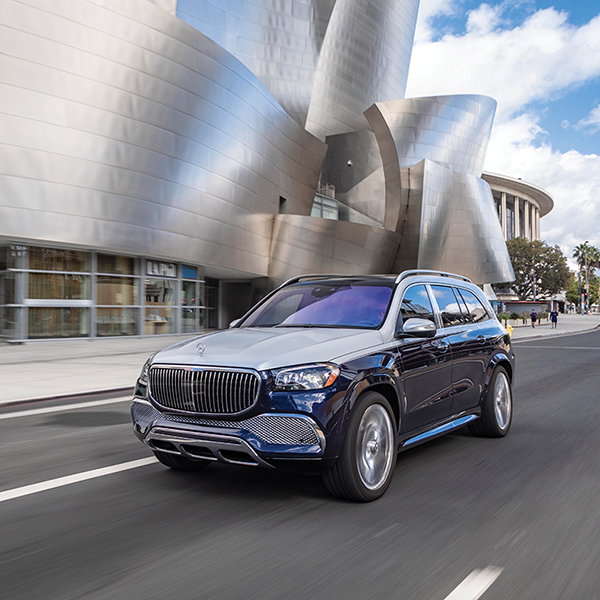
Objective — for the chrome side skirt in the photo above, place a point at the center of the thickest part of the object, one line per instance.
(445, 428)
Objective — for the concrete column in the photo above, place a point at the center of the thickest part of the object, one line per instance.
(527, 232)
(503, 204)
(537, 224)
(517, 218)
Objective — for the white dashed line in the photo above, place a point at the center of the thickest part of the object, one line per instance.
(69, 479)
(475, 584)
(52, 409)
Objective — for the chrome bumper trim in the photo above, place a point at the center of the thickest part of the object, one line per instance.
(206, 446)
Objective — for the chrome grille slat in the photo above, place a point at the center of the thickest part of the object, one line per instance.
(204, 390)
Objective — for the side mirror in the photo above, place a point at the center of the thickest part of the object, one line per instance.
(234, 323)
(420, 328)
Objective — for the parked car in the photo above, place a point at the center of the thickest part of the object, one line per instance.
(333, 375)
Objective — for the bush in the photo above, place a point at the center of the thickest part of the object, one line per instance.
(515, 316)
(524, 316)
(543, 315)
(503, 317)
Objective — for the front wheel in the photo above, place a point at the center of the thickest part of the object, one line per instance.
(365, 467)
(496, 409)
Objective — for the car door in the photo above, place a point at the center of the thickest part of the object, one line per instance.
(463, 344)
(472, 353)
(426, 365)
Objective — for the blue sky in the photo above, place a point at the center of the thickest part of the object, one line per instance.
(541, 61)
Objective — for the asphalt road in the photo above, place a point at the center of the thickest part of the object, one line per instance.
(528, 505)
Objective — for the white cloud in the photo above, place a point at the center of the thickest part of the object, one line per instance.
(538, 59)
(541, 58)
(571, 178)
(484, 19)
(592, 120)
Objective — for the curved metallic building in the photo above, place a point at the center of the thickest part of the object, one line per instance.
(165, 161)
(325, 61)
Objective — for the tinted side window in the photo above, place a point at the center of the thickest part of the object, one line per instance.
(449, 307)
(463, 307)
(416, 303)
(478, 312)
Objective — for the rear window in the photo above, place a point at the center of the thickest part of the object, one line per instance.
(325, 304)
(474, 306)
(449, 305)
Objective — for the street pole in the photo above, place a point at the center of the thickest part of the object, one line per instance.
(587, 283)
(579, 294)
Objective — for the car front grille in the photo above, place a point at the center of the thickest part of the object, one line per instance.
(291, 430)
(202, 390)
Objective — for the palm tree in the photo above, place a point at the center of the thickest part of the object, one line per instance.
(588, 259)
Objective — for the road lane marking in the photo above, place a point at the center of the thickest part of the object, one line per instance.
(52, 409)
(475, 584)
(69, 479)
(567, 347)
(386, 530)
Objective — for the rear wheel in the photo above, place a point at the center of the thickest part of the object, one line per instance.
(496, 409)
(180, 463)
(365, 467)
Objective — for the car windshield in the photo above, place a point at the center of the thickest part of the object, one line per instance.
(325, 304)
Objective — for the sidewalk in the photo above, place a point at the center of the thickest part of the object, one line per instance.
(571, 323)
(51, 369)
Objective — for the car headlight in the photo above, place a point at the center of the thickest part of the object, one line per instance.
(306, 377)
(143, 378)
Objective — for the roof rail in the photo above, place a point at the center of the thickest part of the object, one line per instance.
(313, 276)
(414, 272)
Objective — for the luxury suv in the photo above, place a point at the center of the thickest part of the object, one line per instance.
(334, 375)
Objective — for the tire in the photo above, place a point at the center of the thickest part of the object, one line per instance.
(497, 407)
(180, 463)
(365, 467)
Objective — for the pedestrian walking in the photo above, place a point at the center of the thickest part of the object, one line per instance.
(533, 316)
(554, 318)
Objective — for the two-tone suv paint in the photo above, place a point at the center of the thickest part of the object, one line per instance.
(332, 374)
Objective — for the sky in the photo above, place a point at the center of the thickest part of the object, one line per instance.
(540, 60)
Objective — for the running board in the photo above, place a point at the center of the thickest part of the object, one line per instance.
(441, 429)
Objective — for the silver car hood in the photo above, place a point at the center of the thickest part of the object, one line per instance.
(269, 348)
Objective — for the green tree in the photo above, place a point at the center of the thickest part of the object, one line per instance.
(537, 266)
(593, 294)
(588, 259)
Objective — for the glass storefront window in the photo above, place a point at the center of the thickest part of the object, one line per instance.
(59, 286)
(121, 291)
(52, 259)
(52, 322)
(159, 320)
(160, 292)
(119, 265)
(116, 321)
(189, 320)
(188, 293)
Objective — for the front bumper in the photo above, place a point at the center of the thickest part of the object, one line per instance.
(250, 441)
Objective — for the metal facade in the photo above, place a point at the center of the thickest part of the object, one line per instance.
(197, 132)
(124, 128)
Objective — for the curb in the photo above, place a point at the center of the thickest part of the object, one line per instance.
(115, 391)
(555, 335)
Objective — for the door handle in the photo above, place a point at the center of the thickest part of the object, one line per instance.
(481, 339)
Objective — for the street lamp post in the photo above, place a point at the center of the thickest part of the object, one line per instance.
(587, 281)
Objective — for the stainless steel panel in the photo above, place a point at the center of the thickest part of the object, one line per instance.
(325, 61)
(452, 225)
(122, 127)
(312, 245)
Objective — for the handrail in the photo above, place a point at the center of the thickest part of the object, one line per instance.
(414, 272)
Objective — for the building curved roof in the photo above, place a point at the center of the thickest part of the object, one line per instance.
(522, 189)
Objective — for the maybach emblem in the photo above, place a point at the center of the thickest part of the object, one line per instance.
(200, 348)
